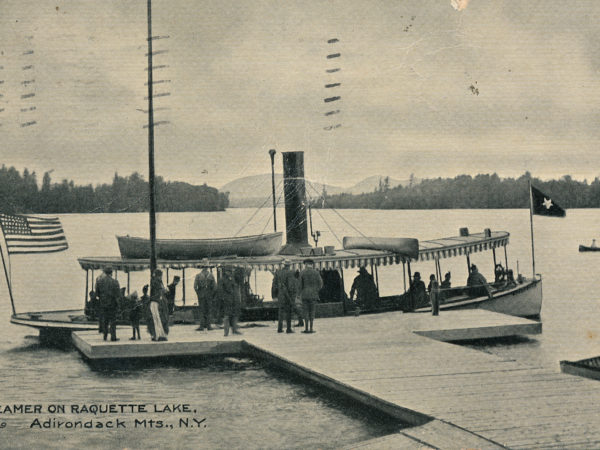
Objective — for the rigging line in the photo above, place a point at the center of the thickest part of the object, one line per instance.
(276, 203)
(254, 214)
(330, 229)
(266, 224)
(342, 217)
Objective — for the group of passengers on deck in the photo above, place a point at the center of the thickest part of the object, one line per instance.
(297, 293)
(217, 303)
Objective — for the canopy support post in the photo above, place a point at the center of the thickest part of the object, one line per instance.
(494, 253)
(404, 274)
(505, 257)
(85, 297)
(255, 281)
(468, 263)
(128, 282)
(93, 281)
(183, 284)
(377, 279)
(343, 289)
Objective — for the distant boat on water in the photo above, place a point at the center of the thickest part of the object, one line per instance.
(589, 248)
(185, 249)
(586, 248)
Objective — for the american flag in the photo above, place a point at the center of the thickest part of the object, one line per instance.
(29, 234)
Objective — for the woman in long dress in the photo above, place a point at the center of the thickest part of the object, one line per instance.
(157, 307)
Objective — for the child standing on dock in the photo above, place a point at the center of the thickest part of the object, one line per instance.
(135, 314)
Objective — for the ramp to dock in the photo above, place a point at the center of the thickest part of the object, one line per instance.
(456, 396)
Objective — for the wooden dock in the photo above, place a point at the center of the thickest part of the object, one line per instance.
(456, 396)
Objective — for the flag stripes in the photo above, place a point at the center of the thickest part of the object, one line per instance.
(29, 234)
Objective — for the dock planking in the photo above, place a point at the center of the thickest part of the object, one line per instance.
(399, 364)
(184, 340)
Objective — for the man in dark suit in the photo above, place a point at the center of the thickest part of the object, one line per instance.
(109, 292)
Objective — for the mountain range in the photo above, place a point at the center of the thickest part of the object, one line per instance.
(255, 190)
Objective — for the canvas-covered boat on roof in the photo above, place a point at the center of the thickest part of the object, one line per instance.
(255, 245)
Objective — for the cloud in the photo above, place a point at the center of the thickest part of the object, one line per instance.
(246, 77)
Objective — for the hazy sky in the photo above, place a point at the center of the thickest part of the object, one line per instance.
(501, 86)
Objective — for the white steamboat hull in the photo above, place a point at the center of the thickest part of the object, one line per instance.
(525, 300)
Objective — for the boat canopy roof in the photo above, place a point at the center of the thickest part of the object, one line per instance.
(461, 245)
(341, 259)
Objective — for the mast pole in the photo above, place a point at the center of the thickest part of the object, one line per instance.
(531, 227)
(272, 155)
(151, 147)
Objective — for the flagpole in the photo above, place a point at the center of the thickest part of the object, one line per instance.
(12, 300)
(531, 226)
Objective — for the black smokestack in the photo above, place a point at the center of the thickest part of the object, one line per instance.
(294, 191)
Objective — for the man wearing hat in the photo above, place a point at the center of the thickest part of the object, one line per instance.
(310, 285)
(477, 284)
(366, 291)
(205, 287)
(109, 293)
(286, 294)
(418, 294)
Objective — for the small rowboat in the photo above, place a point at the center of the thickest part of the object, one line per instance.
(586, 248)
(185, 249)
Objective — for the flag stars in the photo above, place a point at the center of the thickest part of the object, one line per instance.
(547, 203)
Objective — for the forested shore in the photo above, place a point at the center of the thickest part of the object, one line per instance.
(468, 192)
(20, 193)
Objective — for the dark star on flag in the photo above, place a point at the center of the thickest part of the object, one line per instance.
(544, 205)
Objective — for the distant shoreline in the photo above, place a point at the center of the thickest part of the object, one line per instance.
(21, 194)
(467, 192)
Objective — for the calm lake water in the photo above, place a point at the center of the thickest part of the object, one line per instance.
(245, 404)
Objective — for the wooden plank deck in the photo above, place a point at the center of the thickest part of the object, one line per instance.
(184, 340)
(389, 361)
